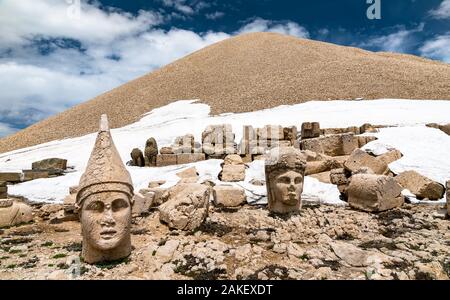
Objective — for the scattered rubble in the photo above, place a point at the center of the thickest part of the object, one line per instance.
(421, 186)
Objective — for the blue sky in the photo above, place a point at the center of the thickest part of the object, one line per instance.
(57, 53)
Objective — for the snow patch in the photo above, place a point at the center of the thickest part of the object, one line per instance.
(425, 149)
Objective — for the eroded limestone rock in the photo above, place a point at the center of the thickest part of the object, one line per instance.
(374, 193)
(233, 173)
(187, 206)
(332, 145)
(14, 213)
(50, 164)
(421, 186)
(359, 159)
(229, 196)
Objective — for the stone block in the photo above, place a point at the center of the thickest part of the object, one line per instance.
(332, 145)
(374, 193)
(50, 164)
(11, 177)
(270, 132)
(421, 186)
(187, 158)
(166, 150)
(163, 160)
(142, 203)
(35, 174)
(310, 130)
(339, 176)
(229, 196)
(233, 173)
(360, 159)
(364, 140)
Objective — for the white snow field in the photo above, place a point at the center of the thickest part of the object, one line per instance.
(426, 150)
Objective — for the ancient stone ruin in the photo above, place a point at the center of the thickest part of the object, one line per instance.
(374, 193)
(151, 152)
(194, 228)
(233, 169)
(187, 207)
(285, 171)
(104, 201)
(46, 168)
(12, 212)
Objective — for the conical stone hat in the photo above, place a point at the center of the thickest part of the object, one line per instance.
(105, 170)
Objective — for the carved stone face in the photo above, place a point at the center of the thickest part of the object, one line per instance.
(285, 172)
(105, 220)
(288, 187)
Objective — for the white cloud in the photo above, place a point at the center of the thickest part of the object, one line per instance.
(215, 15)
(442, 12)
(22, 20)
(437, 48)
(289, 28)
(42, 73)
(5, 129)
(399, 41)
(179, 5)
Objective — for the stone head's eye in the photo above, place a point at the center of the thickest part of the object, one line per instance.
(284, 180)
(97, 206)
(119, 204)
(298, 180)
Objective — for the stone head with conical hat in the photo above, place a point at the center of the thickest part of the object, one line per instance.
(104, 200)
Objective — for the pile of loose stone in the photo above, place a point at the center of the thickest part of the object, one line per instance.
(177, 233)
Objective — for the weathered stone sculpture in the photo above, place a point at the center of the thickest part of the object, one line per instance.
(285, 172)
(14, 213)
(151, 151)
(104, 200)
(137, 157)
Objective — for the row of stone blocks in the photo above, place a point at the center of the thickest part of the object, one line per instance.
(163, 160)
(40, 169)
(27, 175)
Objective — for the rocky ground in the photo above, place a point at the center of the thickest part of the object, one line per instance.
(322, 242)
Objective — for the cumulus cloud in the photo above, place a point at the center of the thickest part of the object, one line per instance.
(437, 48)
(442, 12)
(179, 5)
(49, 62)
(399, 41)
(24, 20)
(289, 28)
